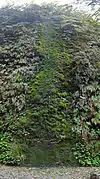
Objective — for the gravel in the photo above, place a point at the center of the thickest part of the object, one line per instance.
(7, 172)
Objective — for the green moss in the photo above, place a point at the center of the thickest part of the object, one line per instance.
(50, 100)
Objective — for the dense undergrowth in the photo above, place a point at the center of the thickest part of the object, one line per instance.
(50, 86)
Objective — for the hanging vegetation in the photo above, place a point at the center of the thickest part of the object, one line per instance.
(49, 86)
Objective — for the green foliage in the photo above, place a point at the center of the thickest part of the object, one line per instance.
(10, 152)
(87, 154)
(49, 82)
(50, 101)
(85, 84)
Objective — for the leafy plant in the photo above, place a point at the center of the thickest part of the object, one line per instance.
(86, 154)
(10, 152)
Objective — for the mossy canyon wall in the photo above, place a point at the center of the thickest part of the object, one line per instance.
(49, 86)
